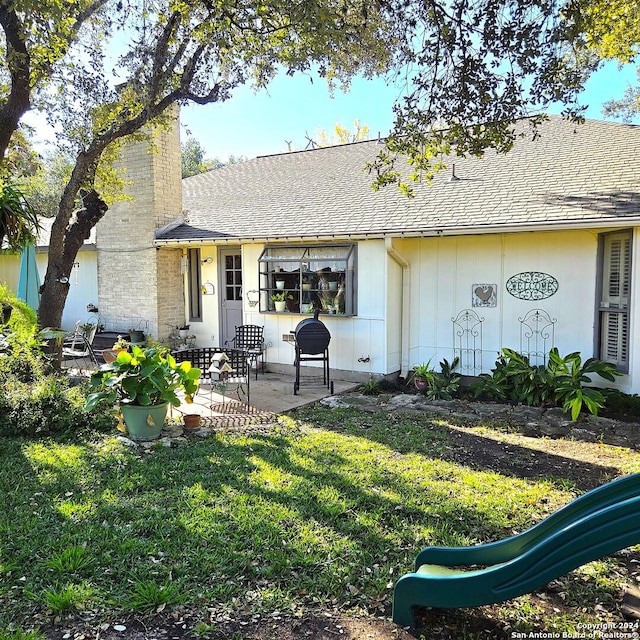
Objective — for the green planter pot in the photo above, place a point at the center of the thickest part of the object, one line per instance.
(136, 337)
(144, 423)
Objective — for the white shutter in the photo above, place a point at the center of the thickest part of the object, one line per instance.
(614, 304)
(615, 338)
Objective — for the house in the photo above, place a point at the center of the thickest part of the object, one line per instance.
(83, 283)
(527, 250)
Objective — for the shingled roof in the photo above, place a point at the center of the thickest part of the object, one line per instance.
(571, 175)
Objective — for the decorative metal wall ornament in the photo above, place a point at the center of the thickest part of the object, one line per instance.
(532, 285)
(467, 341)
(484, 295)
(537, 335)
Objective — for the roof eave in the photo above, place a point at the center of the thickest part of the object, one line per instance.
(559, 225)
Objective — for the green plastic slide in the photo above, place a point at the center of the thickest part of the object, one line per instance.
(594, 525)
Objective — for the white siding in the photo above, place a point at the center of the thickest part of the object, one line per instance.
(445, 270)
(442, 272)
(83, 282)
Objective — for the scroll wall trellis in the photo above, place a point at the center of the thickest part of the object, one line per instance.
(467, 341)
(537, 335)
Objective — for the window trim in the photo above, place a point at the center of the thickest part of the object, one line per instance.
(312, 273)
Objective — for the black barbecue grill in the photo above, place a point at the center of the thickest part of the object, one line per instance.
(312, 344)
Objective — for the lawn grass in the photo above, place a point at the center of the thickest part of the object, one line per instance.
(326, 510)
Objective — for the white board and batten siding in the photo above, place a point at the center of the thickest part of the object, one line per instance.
(83, 282)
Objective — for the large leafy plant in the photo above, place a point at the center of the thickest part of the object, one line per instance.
(571, 377)
(18, 219)
(514, 378)
(143, 377)
(561, 381)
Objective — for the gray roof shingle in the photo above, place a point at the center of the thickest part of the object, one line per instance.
(571, 174)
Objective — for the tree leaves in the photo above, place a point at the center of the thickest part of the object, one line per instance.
(18, 219)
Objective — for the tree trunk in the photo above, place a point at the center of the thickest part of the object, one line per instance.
(19, 66)
(64, 245)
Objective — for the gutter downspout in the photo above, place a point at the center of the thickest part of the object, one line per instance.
(406, 306)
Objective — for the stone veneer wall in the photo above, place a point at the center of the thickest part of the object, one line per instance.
(139, 285)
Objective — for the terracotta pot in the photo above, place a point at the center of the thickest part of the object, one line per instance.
(420, 383)
(191, 421)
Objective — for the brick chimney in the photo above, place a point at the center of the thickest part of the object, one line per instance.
(140, 286)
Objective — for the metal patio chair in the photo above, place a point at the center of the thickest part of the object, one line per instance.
(236, 375)
(250, 339)
(78, 345)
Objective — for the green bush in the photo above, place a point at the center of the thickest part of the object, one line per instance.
(23, 359)
(562, 381)
(572, 376)
(371, 387)
(48, 407)
(619, 403)
(442, 385)
(515, 379)
(34, 399)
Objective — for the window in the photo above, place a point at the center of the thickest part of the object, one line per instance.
(233, 276)
(301, 279)
(195, 286)
(615, 271)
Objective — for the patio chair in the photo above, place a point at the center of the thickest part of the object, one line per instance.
(78, 345)
(249, 338)
(237, 376)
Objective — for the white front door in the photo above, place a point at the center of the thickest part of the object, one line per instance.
(231, 292)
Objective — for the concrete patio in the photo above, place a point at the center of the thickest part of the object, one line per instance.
(270, 394)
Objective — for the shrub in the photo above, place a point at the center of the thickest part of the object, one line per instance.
(619, 403)
(371, 387)
(514, 378)
(47, 407)
(571, 376)
(562, 381)
(23, 358)
(35, 400)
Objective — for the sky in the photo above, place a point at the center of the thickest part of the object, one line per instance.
(293, 108)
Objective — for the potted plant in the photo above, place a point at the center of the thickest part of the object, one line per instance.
(331, 305)
(143, 382)
(442, 385)
(136, 336)
(88, 326)
(110, 355)
(420, 375)
(280, 300)
(121, 344)
(183, 331)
